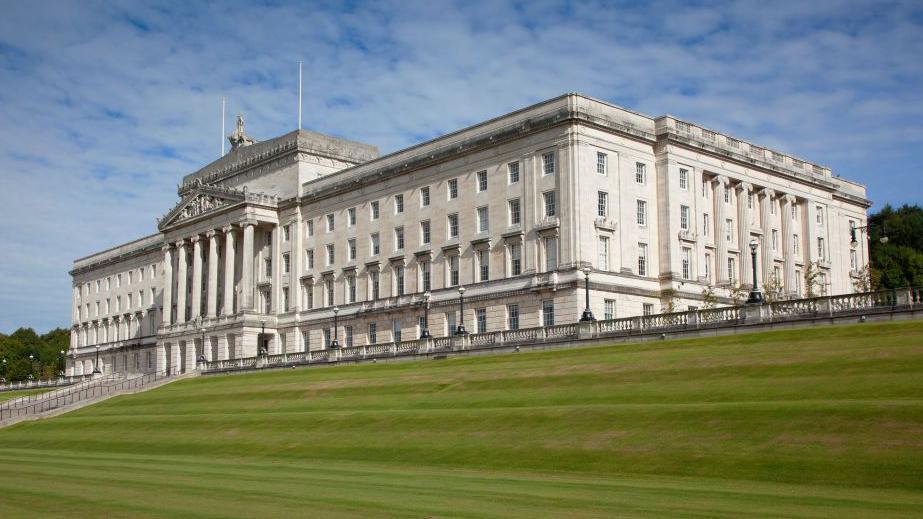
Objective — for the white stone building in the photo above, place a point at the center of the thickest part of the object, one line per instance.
(268, 239)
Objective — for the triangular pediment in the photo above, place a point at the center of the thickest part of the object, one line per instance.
(202, 200)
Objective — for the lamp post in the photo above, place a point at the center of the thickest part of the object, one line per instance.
(587, 313)
(335, 343)
(853, 240)
(424, 334)
(63, 363)
(259, 346)
(460, 329)
(96, 366)
(756, 297)
(32, 363)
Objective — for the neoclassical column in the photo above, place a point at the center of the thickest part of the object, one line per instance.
(275, 254)
(181, 281)
(176, 362)
(721, 244)
(766, 201)
(161, 362)
(744, 189)
(167, 285)
(211, 302)
(229, 256)
(788, 279)
(246, 275)
(196, 302)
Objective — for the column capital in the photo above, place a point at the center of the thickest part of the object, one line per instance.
(720, 179)
(247, 222)
(194, 238)
(745, 186)
(166, 247)
(181, 244)
(768, 192)
(227, 229)
(210, 233)
(788, 198)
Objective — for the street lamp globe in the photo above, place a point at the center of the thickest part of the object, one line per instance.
(753, 245)
(883, 239)
(336, 309)
(461, 290)
(587, 270)
(426, 296)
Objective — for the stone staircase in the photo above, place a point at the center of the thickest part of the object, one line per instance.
(73, 397)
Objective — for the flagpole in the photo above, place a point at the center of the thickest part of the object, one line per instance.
(223, 100)
(299, 95)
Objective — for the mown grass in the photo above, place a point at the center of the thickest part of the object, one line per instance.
(9, 395)
(818, 422)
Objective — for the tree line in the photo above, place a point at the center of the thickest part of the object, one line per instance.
(25, 354)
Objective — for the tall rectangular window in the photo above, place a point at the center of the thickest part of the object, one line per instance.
(820, 248)
(351, 288)
(373, 333)
(515, 259)
(351, 248)
(306, 340)
(351, 217)
(398, 238)
(453, 225)
(749, 199)
(399, 279)
(482, 180)
(513, 170)
(424, 232)
(267, 262)
(453, 270)
(548, 163)
(327, 337)
(602, 204)
(424, 196)
(330, 254)
(732, 270)
(375, 244)
(306, 291)
(550, 208)
(795, 242)
(426, 275)
(548, 313)
(603, 263)
(375, 282)
(684, 217)
(647, 308)
(820, 215)
(684, 179)
(727, 195)
(450, 323)
(687, 263)
(728, 230)
(483, 222)
(706, 224)
(309, 259)
(601, 163)
(330, 222)
(642, 259)
(512, 317)
(398, 204)
(515, 214)
(640, 173)
(483, 265)
(285, 301)
(309, 228)
(642, 212)
(609, 309)
(481, 317)
(396, 330)
(286, 263)
(775, 240)
(707, 266)
(452, 188)
(328, 288)
(551, 253)
(375, 210)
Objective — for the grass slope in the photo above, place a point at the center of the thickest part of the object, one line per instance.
(10, 395)
(820, 422)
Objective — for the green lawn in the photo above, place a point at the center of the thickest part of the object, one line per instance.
(9, 395)
(824, 422)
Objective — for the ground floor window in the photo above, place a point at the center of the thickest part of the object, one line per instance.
(548, 313)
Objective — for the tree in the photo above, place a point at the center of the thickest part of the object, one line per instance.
(709, 299)
(899, 262)
(773, 288)
(45, 349)
(811, 278)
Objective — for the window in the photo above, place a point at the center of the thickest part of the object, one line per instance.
(512, 317)
(327, 335)
(330, 256)
(798, 282)
(328, 288)
(330, 223)
(426, 275)
(307, 295)
(453, 188)
(642, 259)
(424, 232)
(309, 258)
(398, 204)
(285, 299)
(795, 242)
(118, 281)
(515, 259)
(450, 323)
(640, 173)
(776, 274)
(551, 253)
(348, 331)
(548, 313)
(351, 288)
(375, 244)
(728, 230)
(131, 275)
(684, 217)
(306, 339)
(424, 196)
(398, 238)
(373, 333)
(453, 270)
(602, 204)
(609, 309)
(707, 266)
(97, 286)
(399, 280)
(727, 195)
(603, 263)
(309, 228)
(129, 301)
(483, 222)
(351, 217)
(642, 212)
(706, 224)
(515, 214)
(550, 209)
(481, 317)
(775, 240)
(732, 270)
(684, 179)
(482, 180)
(286, 263)
(109, 283)
(772, 205)
(286, 233)
(483, 265)
(601, 163)
(374, 280)
(705, 189)
(647, 308)
(376, 210)
(820, 248)
(687, 263)
(351, 249)
(513, 170)
(795, 212)
(548, 163)
(749, 199)
(268, 263)
(453, 225)
(820, 215)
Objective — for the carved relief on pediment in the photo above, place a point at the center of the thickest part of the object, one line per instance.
(200, 204)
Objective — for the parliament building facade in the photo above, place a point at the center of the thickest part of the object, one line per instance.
(267, 241)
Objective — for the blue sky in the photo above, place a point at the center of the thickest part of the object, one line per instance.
(104, 106)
